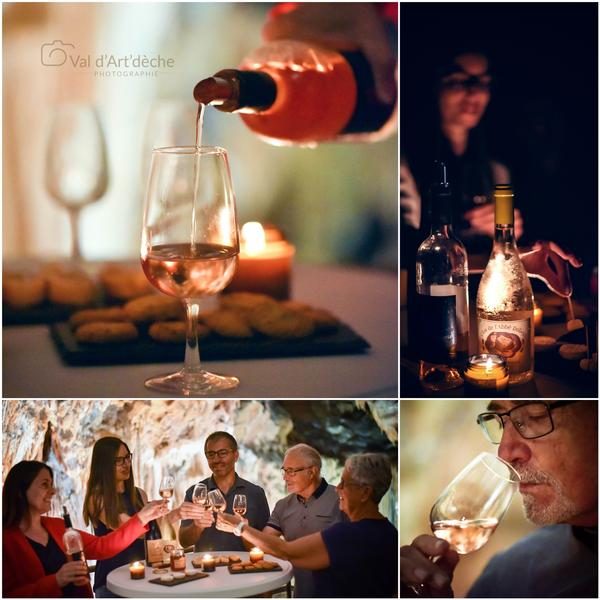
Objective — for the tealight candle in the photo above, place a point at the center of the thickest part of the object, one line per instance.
(486, 375)
(208, 563)
(137, 570)
(256, 554)
(264, 263)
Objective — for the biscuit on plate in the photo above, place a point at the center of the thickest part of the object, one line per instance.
(154, 308)
(275, 320)
(244, 300)
(105, 333)
(171, 332)
(91, 315)
(124, 282)
(70, 287)
(228, 323)
(22, 290)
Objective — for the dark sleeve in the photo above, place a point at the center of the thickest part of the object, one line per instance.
(188, 498)
(487, 584)
(261, 514)
(342, 545)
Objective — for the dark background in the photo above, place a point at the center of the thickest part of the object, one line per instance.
(542, 121)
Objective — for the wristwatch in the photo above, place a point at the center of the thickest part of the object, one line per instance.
(239, 528)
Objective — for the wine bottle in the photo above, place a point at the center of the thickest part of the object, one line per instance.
(72, 541)
(504, 297)
(291, 92)
(442, 295)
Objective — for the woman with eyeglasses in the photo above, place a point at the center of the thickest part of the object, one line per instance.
(112, 499)
(354, 559)
(34, 563)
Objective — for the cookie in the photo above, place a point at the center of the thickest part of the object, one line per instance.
(573, 351)
(234, 558)
(21, 290)
(237, 568)
(324, 320)
(544, 342)
(197, 562)
(173, 332)
(71, 288)
(244, 300)
(105, 333)
(154, 308)
(228, 323)
(91, 315)
(275, 320)
(574, 324)
(123, 282)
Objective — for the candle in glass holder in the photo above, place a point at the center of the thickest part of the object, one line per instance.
(264, 263)
(256, 554)
(208, 563)
(137, 570)
(486, 375)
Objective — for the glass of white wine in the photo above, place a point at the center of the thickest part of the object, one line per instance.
(217, 501)
(189, 247)
(166, 487)
(240, 504)
(469, 509)
(200, 494)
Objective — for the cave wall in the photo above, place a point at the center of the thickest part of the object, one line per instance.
(170, 434)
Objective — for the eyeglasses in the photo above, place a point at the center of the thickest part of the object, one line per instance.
(472, 83)
(292, 472)
(342, 484)
(121, 460)
(220, 453)
(532, 420)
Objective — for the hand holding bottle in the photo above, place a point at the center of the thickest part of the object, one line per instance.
(344, 26)
(75, 572)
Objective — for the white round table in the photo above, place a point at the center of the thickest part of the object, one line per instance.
(219, 584)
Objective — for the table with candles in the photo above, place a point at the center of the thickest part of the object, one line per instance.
(212, 582)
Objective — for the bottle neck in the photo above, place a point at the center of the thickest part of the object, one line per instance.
(504, 237)
(444, 229)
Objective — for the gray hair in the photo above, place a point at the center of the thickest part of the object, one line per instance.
(373, 470)
(308, 453)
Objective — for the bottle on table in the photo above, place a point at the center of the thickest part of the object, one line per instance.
(504, 298)
(294, 93)
(442, 295)
(72, 541)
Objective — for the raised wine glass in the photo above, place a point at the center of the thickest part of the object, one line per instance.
(200, 494)
(189, 247)
(217, 501)
(239, 504)
(469, 509)
(167, 485)
(76, 164)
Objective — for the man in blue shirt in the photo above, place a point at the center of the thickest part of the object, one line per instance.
(554, 448)
(221, 451)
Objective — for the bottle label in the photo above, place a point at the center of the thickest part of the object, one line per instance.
(438, 337)
(509, 339)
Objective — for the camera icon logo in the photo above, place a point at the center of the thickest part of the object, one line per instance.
(54, 54)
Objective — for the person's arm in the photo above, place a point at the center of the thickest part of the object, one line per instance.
(307, 552)
(195, 520)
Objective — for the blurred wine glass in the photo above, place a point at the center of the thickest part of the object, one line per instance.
(200, 494)
(469, 509)
(239, 504)
(166, 487)
(76, 163)
(217, 501)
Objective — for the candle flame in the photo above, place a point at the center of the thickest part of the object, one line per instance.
(488, 365)
(253, 238)
(207, 557)
(137, 564)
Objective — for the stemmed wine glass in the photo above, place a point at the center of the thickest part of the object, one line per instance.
(239, 504)
(200, 494)
(469, 509)
(217, 501)
(190, 246)
(76, 164)
(167, 485)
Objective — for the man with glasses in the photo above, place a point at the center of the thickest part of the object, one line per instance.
(554, 448)
(221, 451)
(311, 506)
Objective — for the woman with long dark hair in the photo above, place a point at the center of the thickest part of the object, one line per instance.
(34, 563)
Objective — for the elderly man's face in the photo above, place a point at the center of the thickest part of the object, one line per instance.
(559, 471)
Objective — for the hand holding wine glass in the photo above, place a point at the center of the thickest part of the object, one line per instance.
(189, 247)
(76, 164)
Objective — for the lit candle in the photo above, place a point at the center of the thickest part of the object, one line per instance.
(538, 314)
(208, 563)
(486, 375)
(256, 554)
(264, 263)
(137, 570)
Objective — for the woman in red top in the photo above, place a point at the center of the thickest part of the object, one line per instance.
(34, 563)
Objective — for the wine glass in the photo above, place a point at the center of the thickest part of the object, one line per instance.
(239, 504)
(76, 164)
(217, 501)
(167, 484)
(200, 494)
(190, 246)
(469, 509)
